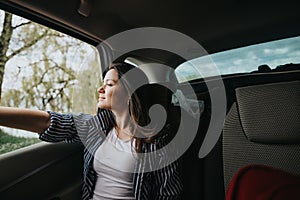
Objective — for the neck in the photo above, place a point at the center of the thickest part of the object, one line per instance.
(123, 129)
(122, 119)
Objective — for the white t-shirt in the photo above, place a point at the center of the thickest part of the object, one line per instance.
(114, 163)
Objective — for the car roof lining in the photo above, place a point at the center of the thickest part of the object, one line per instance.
(222, 25)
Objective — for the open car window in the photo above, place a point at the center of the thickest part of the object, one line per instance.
(241, 60)
(43, 69)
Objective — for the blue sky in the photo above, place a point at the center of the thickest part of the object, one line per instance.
(244, 59)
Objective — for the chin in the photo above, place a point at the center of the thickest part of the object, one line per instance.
(102, 106)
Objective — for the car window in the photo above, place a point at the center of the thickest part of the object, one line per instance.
(43, 69)
(241, 60)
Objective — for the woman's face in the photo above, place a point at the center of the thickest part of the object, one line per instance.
(112, 94)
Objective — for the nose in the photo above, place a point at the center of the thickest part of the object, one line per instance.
(101, 89)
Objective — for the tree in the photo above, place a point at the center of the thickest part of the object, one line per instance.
(7, 53)
(88, 80)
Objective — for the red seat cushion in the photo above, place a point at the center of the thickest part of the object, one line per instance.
(258, 182)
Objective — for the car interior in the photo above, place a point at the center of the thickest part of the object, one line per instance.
(242, 118)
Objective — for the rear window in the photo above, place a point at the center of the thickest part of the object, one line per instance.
(241, 60)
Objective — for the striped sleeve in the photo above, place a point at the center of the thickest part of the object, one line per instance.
(163, 181)
(63, 128)
(168, 182)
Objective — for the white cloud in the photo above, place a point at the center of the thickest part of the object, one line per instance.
(276, 51)
(238, 61)
(295, 54)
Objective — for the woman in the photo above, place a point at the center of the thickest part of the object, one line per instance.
(115, 140)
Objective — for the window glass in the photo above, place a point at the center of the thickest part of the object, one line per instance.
(43, 69)
(241, 60)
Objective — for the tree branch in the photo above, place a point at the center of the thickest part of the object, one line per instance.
(28, 45)
(21, 24)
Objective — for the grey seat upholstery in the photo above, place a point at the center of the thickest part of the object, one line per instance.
(263, 127)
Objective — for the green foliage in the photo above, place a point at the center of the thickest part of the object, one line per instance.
(9, 143)
(85, 93)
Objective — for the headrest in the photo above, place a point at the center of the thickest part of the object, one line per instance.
(155, 94)
(156, 103)
(270, 113)
(160, 74)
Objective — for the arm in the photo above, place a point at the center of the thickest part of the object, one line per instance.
(51, 126)
(25, 119)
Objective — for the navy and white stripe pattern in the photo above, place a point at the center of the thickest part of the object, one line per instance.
(164, 183)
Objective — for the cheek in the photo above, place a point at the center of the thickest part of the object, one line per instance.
(119, 91)
(119, 97)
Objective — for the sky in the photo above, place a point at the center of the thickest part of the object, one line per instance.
(244, 59)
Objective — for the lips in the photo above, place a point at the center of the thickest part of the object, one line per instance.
(101, 98)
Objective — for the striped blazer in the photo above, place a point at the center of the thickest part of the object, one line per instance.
(163, 182)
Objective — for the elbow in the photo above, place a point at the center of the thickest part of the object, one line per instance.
(46, 122)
